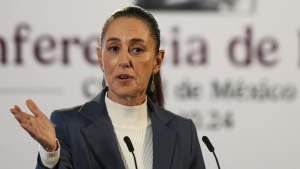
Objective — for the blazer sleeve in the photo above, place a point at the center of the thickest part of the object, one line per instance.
(197, 161)
(65, 159)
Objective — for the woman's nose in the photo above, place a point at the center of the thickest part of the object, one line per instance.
(124, 59)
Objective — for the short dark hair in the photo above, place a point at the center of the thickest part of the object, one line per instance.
(157, 95)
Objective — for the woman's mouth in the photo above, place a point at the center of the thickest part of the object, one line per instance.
(124, 77)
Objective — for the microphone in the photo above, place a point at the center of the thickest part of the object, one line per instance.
(130, 148)
(210, 148)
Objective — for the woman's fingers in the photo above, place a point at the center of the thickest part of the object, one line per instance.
(38, 125)
(41, 118)
(27, 122)
(21, 116)
(34, 108)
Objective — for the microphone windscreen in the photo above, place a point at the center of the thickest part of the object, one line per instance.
(208, 144)
(128, 143)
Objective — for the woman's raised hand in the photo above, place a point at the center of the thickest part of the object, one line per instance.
(38, 125)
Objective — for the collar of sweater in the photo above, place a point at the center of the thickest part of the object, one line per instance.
(129, 117)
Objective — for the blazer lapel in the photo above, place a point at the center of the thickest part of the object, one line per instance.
(164, 139)
(100, 136)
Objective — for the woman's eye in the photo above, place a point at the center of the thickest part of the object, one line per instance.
(113, 49)
(137, 50)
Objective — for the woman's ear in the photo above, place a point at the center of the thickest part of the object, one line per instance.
(99, 54)
(158, 61)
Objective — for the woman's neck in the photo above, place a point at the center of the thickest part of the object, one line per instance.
(133, 117)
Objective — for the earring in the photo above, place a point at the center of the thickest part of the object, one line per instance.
(152, 84)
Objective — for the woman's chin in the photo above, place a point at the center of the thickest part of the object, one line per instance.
(126, 92)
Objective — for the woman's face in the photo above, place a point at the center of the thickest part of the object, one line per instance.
(128, 59)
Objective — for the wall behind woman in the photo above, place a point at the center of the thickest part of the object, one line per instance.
(231, 67)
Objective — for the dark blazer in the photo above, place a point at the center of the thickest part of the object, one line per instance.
(87, 139)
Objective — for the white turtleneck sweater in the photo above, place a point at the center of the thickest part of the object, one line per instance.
(134, 122)
(131, 121)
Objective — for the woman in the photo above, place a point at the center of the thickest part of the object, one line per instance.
(91, 135)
